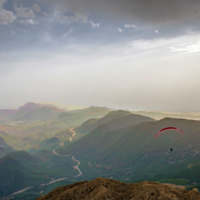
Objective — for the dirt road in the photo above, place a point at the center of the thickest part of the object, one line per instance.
(77, 166)
(73, 134)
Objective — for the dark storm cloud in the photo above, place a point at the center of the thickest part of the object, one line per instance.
(150, 11)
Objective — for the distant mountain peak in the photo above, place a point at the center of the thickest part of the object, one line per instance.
(120, 112)
(30, 106)
(99, 107)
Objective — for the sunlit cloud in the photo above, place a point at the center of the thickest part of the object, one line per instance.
(31, 21)
(120, 30)
(93, 24)
(130, 26)
(187, 48)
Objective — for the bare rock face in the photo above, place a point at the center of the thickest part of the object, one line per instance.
(104, 189)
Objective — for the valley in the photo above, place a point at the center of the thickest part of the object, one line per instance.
(99, 99)
(94, 142)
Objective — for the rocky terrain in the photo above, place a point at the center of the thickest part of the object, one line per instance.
(103, 189)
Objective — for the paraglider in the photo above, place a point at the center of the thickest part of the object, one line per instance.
(168, 128)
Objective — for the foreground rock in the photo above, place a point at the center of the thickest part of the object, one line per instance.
(103, 189)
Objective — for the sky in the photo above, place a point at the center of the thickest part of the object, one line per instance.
(130, 54)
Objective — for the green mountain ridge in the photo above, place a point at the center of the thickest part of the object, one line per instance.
(91, 124)
(5, 151)
(40, 114)
(112, 121)
(15, 172)
(77, 117)
(118, 144)
(49, 143)
(93, 141)
(135, 147)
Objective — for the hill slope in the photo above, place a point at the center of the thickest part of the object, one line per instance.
(102, 188)
(40, 114)
(140, 139)
(23, 110)
(5, 151)
(6, 113)
(77, 117)
(15, 172)
(2, 143)
(136, 151)
(49, 143)
(113, 120)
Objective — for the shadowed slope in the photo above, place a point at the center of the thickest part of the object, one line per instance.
(2, 143)
(102, 188)
(15, 172)
(43, 113)
(112, 121)
(5, 151)
(138, 141)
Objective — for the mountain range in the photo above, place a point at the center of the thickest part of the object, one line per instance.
(111, 144)
(29, 112)
(77, 117)
(136, 150)
(112, 121)
(37, 112)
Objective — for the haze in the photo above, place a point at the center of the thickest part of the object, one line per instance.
(138, 55)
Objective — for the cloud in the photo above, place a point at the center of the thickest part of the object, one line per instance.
(24, 12)
(36, 7)
(154, 11)
(193, 48)
(120, 30)
(62, 18)
(13, 32)
(5, 15)
(164, 46)
(93, 24)
(1, 4)
(46, 14)
(130, 26)
(68, 33)
(80, 17)
(69, 7)
(30, 21)
(156, 31)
